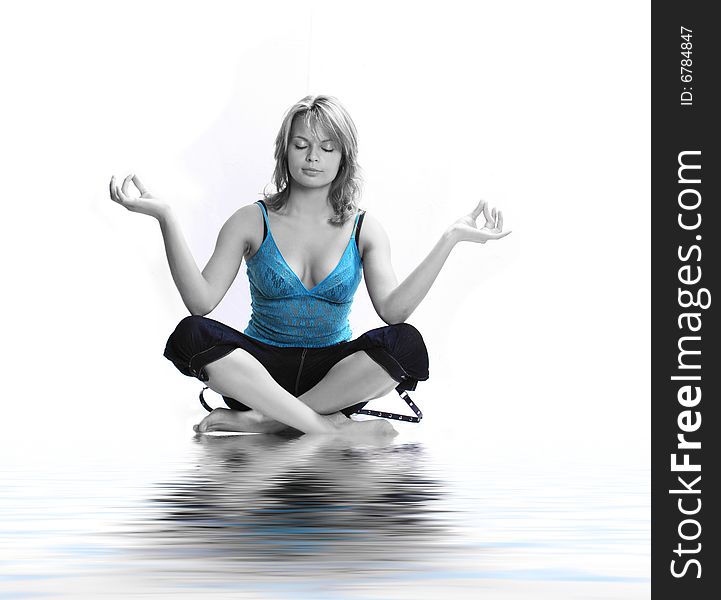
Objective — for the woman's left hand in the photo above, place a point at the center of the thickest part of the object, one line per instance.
(465, 229)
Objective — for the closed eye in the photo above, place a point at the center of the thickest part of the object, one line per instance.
(324, 149)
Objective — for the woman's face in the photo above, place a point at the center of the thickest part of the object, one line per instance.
(313, 160)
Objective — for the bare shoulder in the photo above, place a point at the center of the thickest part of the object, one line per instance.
(373, 235)
(246, 226)
(250, 214)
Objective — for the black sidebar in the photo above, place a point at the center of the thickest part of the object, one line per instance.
(686, 301)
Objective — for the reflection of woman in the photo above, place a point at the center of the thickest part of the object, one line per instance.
(312, 501)
(294, 365)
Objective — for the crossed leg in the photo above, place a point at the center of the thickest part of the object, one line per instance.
(354, 379)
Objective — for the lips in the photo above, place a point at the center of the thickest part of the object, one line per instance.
(312, 170)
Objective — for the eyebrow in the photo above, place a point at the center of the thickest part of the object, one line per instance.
(307, 140)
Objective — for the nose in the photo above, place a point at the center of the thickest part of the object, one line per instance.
(312, 155)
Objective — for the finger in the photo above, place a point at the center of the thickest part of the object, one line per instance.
(498, 236)
(487, 214)
(126, 183)
(122, 198)
(500, 220)
(138, 184)
(113, 190)
(494, 215)
(112, 179)
(478, 210)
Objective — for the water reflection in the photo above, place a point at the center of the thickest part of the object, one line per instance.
(271, 517)
(287, 502)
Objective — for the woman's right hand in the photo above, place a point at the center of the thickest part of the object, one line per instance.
(146, 203)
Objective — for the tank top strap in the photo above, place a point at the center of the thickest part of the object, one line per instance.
(358, 219)
(357, 226)
(266, 224)
(263, 208)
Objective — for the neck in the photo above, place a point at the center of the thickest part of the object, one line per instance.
(311, 203)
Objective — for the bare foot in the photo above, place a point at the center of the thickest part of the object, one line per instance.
(376, 428)
(337, 419)
(225, 419)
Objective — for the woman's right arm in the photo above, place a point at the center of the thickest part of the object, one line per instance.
(200, 292)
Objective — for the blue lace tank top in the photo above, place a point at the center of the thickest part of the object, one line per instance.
(285, 312)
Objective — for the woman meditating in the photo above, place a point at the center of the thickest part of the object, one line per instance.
(307, 247)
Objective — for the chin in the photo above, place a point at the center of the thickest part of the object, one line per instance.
(312, 182)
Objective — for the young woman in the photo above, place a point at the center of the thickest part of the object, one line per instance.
(306, 249)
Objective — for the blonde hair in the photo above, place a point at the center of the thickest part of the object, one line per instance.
(326, 112)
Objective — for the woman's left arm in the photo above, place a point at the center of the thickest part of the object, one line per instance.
(394, 303)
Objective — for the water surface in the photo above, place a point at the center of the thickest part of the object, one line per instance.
(257, 516)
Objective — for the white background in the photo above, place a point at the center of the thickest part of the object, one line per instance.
(539, 343)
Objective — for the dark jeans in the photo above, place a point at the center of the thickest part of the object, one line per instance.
(399, 349)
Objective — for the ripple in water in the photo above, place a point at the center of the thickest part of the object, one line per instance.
(260, 516)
